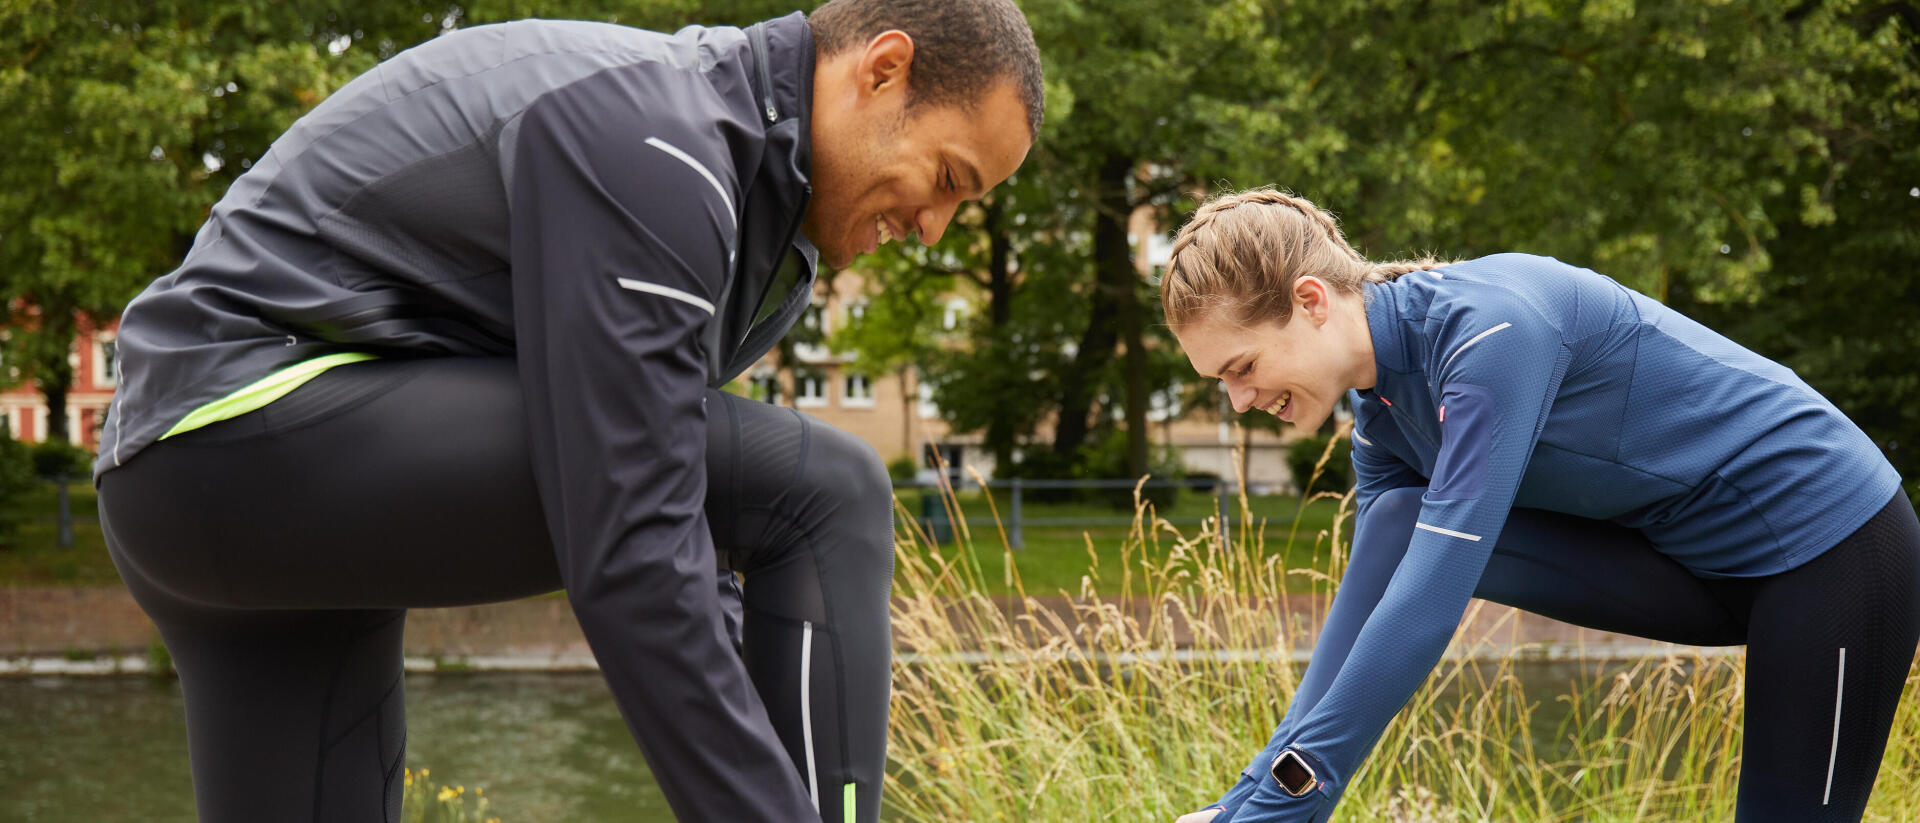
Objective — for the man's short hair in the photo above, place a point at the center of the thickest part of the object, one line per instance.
(962, 48)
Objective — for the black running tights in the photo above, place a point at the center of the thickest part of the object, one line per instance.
(279, 551)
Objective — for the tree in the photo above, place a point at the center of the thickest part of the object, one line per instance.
(1679, 147)
(126, 121)
(1839, 299)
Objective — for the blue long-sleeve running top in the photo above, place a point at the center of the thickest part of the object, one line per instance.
(1516, 380)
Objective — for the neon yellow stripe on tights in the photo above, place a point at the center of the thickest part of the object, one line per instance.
(263, 391)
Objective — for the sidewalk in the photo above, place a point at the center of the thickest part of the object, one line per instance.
(100, 630)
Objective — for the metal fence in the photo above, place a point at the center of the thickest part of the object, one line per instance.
(938, 522)
(933, 514)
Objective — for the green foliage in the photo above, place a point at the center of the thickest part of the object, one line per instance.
(1312, 463)
(1748, 162)
(1751, 163)
(421, 802)
(160, 661)
(16, 480)
(903, 467)
(58, 458)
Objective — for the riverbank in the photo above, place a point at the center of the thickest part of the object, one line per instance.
(100, 630)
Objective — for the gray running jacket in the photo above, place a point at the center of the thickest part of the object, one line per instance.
(611, 207)
(402, 214)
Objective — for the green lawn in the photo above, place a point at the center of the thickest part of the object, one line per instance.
(31, 557)
(1054, 558)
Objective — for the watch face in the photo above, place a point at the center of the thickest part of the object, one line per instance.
(1293, 773)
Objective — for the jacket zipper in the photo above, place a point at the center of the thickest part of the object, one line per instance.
(758, 37)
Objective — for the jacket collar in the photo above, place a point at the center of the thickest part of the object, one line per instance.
(1385, 325)
(780, 57)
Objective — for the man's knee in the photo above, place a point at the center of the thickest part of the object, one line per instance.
(850, 484)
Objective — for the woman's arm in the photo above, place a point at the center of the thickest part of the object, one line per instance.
(1495, 389)
(1375, 555)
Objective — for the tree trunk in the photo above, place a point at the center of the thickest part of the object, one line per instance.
(52, 371)
(909, 415)
(1114, 265)
(1000, 430)
(1080, 381)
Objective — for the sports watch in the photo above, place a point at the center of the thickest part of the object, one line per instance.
(1293, 773)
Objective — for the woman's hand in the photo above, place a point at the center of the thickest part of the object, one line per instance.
(1201, 816)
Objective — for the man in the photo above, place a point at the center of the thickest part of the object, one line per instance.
(451, 340)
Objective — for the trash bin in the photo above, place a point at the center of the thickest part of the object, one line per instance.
(933, 516)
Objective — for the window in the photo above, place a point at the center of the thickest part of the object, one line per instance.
(106, 365)
(948, 456)
(857, 392)
(1165, 405)
(954, 314)
(809, 389)
(928, 409)
(814, 321)
(765, 387)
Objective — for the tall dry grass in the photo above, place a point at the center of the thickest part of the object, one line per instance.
(1064, 706)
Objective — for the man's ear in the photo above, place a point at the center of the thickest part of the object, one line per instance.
(887, 61)
(1312, 299)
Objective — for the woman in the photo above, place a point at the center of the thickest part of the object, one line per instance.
(1538, 435)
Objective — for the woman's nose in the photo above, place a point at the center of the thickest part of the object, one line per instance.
(1242, 395)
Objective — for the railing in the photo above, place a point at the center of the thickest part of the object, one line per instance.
(934, 515)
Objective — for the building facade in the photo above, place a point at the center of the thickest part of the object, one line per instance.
(94, 377)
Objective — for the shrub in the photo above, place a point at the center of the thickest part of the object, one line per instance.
(903, 467)
(1335, 476)
(58, 458)
(160, 661)
(422, 803)
(16, 481)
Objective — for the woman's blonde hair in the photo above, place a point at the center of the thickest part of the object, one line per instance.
(1243, 251)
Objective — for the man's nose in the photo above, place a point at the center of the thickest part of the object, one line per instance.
(931, 223)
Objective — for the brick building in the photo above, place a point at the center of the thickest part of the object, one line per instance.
(94, 378)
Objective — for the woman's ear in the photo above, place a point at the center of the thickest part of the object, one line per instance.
(1312, 299)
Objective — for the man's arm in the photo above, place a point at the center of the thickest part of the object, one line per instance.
(623, 230)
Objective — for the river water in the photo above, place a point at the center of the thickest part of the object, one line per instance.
(547, 747)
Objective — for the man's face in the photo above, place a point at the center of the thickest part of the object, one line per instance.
(882, 170)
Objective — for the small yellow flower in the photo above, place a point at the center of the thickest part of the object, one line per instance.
(446, 794)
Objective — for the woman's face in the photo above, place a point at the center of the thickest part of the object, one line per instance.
(1295, 371)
